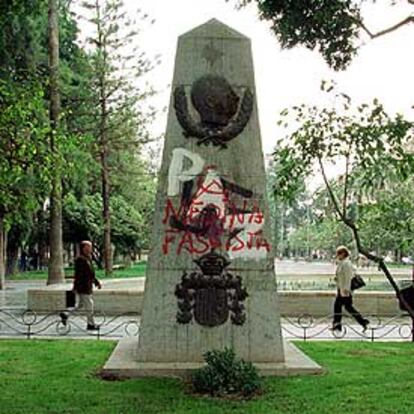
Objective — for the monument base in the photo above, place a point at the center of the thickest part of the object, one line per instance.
(123, 364)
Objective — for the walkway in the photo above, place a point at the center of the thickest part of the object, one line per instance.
(15, 294)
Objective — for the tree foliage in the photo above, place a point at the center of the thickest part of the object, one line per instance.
(391, 210)
(22, 38)
(371, 146)
(333, 27)
(24, 154)
(116, 62)
(366, 139)
(26, 163)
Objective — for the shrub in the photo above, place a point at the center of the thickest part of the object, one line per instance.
(226, 374)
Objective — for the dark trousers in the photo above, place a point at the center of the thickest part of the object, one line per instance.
(346, 302)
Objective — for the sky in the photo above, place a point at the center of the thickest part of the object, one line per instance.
(384, 68)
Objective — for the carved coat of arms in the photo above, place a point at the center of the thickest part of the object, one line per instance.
(211, 294)
(222, 115)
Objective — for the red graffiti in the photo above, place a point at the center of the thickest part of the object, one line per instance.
(195, 244)
(209, 220)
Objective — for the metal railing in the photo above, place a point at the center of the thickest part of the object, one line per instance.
(15, 322)
(306, 327)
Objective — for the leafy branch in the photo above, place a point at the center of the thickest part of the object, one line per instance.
(366, 138)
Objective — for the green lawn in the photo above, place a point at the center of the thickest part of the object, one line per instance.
(137, 270)
(59, 377)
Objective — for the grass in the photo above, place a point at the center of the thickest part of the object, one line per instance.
(137, 270)
(59, 377)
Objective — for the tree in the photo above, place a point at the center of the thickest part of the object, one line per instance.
(323, 236)
(55, 269)
(391, 210)
(24, 97)
(18, 233)
(21, 51)
(134, 180)
(287, 215)
(24, 154)
(331, 26)
(83, 220)
(334, 27)
(366, 140)
(116, 64)
(22, 116)
(388, 206)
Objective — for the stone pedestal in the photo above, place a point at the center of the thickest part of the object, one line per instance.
(210, 278)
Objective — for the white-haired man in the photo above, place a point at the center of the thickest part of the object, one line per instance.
(84, 281)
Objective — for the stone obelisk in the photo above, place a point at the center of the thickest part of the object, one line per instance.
(210, 279)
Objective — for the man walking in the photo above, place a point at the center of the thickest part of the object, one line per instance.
(83, 284)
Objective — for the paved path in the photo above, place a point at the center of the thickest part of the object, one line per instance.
(15, 294)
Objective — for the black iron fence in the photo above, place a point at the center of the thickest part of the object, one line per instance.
(306, 327)
(29, 324)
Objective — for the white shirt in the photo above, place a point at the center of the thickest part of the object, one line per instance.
(344, 274)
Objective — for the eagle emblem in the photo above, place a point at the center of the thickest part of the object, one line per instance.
(223, 115)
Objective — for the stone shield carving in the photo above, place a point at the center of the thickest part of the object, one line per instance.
(211, 294)
(223, 115)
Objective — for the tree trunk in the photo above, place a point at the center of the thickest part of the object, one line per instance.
(75, 252)
(69, 253)
(107, 247)
(12, 259)
(398, 256)
(2, 255)
(43, 253)
(381, 265)
(55, 269)
(373, 257)
(104, 149)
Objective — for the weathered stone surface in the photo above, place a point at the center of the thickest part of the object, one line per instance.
(123, 364)
(211, 198)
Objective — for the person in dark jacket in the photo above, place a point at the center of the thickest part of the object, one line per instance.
(83, 284)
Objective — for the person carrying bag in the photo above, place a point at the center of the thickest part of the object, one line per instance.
(344, 275)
